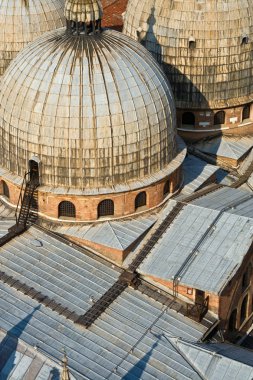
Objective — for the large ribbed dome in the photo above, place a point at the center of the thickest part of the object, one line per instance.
(21, 21)
(96, 110)
(205, 47)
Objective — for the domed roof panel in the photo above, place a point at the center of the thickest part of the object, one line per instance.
(21, 21)
(97, 110)
(205, 47)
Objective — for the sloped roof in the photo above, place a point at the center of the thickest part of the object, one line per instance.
(118, 234)
(196, 172)
(127, 342)
(57, 270)
(228, 147)
(202, 246)
(217, 361)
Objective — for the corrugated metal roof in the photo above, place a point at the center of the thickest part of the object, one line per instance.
(225, 196)
(196, 173)
(127, 342)
(6, 212)
(56, 269)
(115, 234)
(229, 147)
(5, 224)
(215, 260)
(22, 362)
(217, 361)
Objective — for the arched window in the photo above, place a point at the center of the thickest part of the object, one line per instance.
(141, 200)
(244, 308)
(106, 208)
(192, 43)
(219, 118)
(166, 188)
(34, 170)
(245, 40)
(188, 118)
(66, 209)
(6, 191)
(246, 277)
(232, 320)
(246, 112)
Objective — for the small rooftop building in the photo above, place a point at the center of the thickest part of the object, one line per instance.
(205, 48)
(205, 256)
(22, 21)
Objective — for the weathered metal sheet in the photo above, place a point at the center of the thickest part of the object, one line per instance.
(129, 339)
(215, 259)
(57, 270)
(229, 147)
(195, 173)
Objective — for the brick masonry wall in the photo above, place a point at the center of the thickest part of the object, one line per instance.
(86, 206)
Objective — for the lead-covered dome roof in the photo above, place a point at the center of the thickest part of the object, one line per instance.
(21, 21)
(205, 47)
(97, 111)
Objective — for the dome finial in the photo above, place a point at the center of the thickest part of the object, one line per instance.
(65, 372)
(83, 16)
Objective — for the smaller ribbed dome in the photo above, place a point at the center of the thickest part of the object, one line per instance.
(205, 47)
(21, 21)
(83, 10)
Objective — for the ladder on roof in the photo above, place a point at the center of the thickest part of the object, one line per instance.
(26, 199)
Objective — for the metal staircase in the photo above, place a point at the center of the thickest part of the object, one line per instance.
(26, 200)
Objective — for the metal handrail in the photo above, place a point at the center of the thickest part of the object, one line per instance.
(20, 198)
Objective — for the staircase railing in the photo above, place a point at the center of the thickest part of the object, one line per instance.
(23, 208)
(198, 310)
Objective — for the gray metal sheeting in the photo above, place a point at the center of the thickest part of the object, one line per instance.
(224, 197)
(19, 361)
(6, 212)
(5, 225)
(56, 270)
(216, 259)
(230, 147)
(129, 341)
(217, 362)
(196, 173)
(115, 234)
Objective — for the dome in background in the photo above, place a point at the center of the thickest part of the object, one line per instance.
(205, 47)
(95, 109)
(21, 21)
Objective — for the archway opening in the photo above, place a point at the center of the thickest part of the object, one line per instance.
(5, 189)
(232, 320)
(244, 308)
(219, 118)
(188, 118)
(166, 188)
(246, 112)
(141, 200)
(34, 171)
